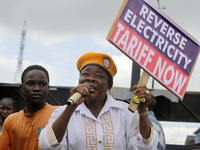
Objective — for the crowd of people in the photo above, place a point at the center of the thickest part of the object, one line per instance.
(95, 121)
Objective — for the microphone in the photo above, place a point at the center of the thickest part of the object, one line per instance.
(76, 96)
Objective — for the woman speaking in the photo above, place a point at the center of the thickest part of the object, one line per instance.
(97, 121)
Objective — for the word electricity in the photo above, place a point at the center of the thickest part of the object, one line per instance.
(156, 46)
(175, 37)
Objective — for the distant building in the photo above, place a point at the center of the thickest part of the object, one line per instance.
(190, 140)
(197, 137)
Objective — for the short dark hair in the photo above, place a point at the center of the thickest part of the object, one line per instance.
(34, 67)
(10, 99)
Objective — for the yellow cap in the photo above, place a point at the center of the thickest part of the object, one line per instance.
(99, 59)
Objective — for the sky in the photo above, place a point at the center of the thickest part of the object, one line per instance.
(58, 32)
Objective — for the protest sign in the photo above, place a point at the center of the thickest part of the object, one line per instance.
(156, 43)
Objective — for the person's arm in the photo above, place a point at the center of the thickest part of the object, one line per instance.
(144, 123)
(51, 137)
(138, 137)
(60, 125)
(4, 136)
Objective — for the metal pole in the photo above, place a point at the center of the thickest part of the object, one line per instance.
(135, 75)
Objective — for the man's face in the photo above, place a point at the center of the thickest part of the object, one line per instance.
(35, 87)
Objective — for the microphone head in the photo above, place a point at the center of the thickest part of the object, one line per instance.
(87, 86)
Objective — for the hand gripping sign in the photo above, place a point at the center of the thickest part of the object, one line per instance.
(156, 43)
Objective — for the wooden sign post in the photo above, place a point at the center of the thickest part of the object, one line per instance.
(144, 78)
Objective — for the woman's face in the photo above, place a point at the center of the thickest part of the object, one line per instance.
(6, 108)
(98, 80)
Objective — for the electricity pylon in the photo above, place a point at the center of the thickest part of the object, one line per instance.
(20, 57)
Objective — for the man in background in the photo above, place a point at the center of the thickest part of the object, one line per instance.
(156, 124)
(21, 130)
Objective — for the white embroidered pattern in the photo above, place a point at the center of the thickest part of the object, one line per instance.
(50, 135)
(91, 132)
(108, 131)
(91, 135)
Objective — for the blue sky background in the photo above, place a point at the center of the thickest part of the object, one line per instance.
(58, 32)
